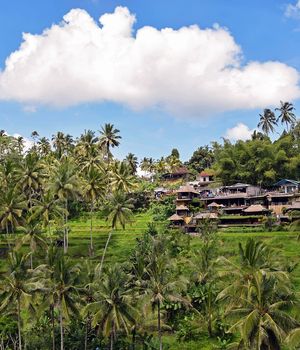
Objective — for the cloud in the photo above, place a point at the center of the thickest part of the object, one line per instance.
(239, 132)
(26, 142)
(189, 71)
(29, 109)
(293, 11)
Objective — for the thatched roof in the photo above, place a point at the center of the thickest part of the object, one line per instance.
(255, 208)
(187, 189)
(182, 207)
(214, 205)
(200, 216)
(294, 206)
(175, 217)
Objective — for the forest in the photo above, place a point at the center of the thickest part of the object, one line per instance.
(88, 260)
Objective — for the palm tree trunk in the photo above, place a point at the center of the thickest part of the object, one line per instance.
(53, 326)
(104, 251)
(7, 232)
(66, 243)
(159, 326)
(86, 334)
(91, 229)
(111, 341)
(19, 324)
(61, 325)
(31, 262)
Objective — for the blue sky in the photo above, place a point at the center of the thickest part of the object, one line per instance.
(168, 113)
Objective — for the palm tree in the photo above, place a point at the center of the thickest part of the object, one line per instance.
(94, 189)
(113, 308)
(32, 234)
(254, 257)
(12, 205)
(65, 185)
(121, 178)
(132, 162)
(17, 288)
(267, 121)
(63, 280)
(263, 320)
(47, 208)
(286, 115)
(59, 143)
(30, 176)
(44, 146)
(109, 138)
(120, 213)
(161, 285)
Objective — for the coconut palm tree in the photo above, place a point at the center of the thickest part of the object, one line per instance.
(120, 213)
(30, 176)
(62, 289)
(286, 115)
(132, 162)
(16, 288)
(267, 121)
(59, 143)
(12, 205)
(94, 189)
(44, 146)
(113, 309)
(109, 137)
(161, 285)
(47, 208)
(262, 318)
(65, 184)
(32, 235)
(121, 178)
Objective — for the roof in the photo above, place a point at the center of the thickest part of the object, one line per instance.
(180, 170)
(187, 188)
(255, 208)
(160, 189)
(206, 173)
(287, 182)
(237, 185)
(175, 217)
(214, 205)
(182, 207)
(206, 216)
(293, 206)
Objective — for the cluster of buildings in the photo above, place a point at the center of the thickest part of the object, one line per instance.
(238, 204)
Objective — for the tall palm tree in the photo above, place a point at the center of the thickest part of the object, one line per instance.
(109, 137)
(32, 235)
(47, 208)
(16, 288)
(62, 292)
(120, 213)
(30, 176)
(132, 162)
(161, 285)
(44, 146)
(59, 143)
(122, 179)
(113, 308)
(12, 205)
(286, 115)
(267, 121)
(262, 318)
(94, 189)
(65, 184)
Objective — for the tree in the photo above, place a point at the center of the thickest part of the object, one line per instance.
(132, 162)
(286, 115)
(109, 138)
(12, 205)
(63, 290)
(43, 146)
(65, 185)
(267, 121)
(262, 318)
(120, 213)
(32, 234)
(17, 288)
(113, 309)
(94, 190)
(122, 179)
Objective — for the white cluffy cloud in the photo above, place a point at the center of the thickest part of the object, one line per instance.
(191, 70)
(239, 132)
(293, 10)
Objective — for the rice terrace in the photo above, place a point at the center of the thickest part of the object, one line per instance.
(150, 175)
